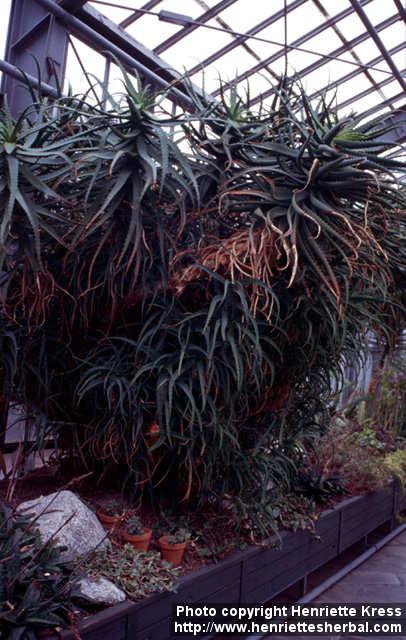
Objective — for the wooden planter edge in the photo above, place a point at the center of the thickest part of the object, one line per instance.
(132, 620)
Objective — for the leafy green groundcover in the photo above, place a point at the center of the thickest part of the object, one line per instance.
(138, 573)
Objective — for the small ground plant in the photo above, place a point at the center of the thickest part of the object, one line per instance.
(365, 445)
(134, 526)
(138, 573)
(178, 536)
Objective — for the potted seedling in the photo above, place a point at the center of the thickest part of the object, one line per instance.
(110, 514)
(136, 534)
(173, 545)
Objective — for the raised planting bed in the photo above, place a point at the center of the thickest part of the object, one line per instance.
(255, 575)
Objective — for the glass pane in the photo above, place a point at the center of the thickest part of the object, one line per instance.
(325, 42)
(378, 10)
(94, 65)
(246, 14)
(190, 8)
(396, 102)
(393, 34)
(325, 76)
(351, 88)
(243, 15)
(399, 102)
(150, 31)
(302, 20)
(399, 59)
(115, 83)
(196, 47)
(273, 33)
(351, 26)
(361, 105)
(367, 50)
(299, 59)
(235, 63)
(391, 88)
(6, 7)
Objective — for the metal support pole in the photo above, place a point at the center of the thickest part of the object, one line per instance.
(37, 44)
(13, 72)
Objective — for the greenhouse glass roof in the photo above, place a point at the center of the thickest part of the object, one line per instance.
(356, 47)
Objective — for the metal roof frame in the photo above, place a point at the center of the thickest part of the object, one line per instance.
(365, 92)
(251, 32)
(299, 41)
(95, 38)
(353, 74)
(211, 13)
(400, 112)
(138, 14)
(375, 37)
(362, 37)
(143, 58)
(53, 21)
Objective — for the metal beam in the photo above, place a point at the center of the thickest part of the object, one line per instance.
(118, 36)
(72, 5)
(12, 71)
(95, 39)
(138, 51)
(211, 13)
(401, 9)
(375, 37)
(130, 45)
(226, 29)
(388, 22)
(36, 43)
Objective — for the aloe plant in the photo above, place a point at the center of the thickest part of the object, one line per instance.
(35, 581)
(182, 309)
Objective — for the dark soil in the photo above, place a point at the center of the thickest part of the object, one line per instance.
(213, 535)
(212, 528)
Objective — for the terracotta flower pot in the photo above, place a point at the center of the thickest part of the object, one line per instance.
(107, 520)
(172, 552)
(140, 542)
(154, 433)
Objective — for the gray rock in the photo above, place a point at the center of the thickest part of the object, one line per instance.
(65, 518)
(100, 591)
